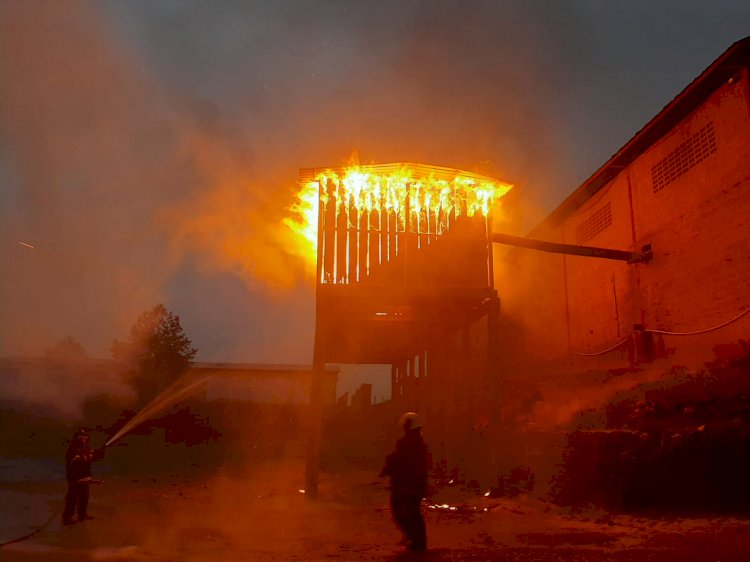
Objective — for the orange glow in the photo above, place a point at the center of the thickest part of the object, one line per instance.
(304, 219)
(433, 196)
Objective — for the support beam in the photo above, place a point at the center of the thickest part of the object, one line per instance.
(644, 256)
(315, 428)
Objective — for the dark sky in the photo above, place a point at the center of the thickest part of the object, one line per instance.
(149, 149)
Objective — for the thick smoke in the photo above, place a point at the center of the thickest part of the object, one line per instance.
(152, 149)
(86, 137)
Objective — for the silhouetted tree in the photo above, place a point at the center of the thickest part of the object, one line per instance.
(159, 349)
(67, 349)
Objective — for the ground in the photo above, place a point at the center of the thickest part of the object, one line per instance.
(195, 514)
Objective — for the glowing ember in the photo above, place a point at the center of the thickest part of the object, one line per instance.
(432, 197)
(462, 508)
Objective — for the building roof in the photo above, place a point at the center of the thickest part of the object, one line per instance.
(719, 72)
(261, 367)
(417, 169)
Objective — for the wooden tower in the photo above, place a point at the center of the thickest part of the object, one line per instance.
(405, 278)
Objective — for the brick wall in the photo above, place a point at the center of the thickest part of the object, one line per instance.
(689, 196)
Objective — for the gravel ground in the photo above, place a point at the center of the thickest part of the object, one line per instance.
(263, 514)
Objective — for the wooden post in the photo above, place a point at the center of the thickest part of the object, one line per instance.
(431, 224)
(373, 236)
(490, 256)
(394, 383)
(329, 235)
(408, 244)
(392, 234)
(363, 235)
(352, 227)
(342, 272)
(412, 368)
(383, 218)
(315, 426)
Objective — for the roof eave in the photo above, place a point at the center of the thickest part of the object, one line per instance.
(722, 69)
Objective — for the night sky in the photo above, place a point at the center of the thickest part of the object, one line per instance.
(149, 149)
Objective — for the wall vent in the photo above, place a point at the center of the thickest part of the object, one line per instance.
(594, 224)
(694, 150)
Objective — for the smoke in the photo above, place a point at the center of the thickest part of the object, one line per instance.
(235, 224)
(437, 84)
(152, 149)
(85, 135)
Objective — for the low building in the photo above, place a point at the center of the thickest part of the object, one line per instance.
(263, 383)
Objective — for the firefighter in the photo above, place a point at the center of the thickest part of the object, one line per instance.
(407, 466)
(78, 459)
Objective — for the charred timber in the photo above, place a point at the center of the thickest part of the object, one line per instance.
(644, 256)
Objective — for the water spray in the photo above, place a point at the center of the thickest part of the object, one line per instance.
(176, 392)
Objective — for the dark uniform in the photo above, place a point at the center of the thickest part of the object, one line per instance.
(407, 466)
(78, 459)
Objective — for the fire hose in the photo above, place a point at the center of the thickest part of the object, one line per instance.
(55, 514)
(39, 529)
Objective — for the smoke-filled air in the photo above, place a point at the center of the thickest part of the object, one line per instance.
(374, 280)
(141, 173)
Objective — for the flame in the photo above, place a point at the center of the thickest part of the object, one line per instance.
(304, 219)
(432, 196)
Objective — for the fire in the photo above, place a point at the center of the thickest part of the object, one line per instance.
(304, 219)
(432, 198)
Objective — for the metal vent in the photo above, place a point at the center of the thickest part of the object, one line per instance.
(598, 221)
(694, 150)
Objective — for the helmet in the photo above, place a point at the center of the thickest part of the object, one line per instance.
(410, 420)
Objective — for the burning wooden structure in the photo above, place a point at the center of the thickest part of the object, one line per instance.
(405, 278)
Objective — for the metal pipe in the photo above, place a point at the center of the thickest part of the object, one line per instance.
(644, 256)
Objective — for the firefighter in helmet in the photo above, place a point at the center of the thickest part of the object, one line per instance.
(78, 459)
(407, 466)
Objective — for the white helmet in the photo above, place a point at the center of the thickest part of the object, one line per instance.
(411, 420)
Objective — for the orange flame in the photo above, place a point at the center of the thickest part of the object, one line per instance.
(432, 196)
(304, 219)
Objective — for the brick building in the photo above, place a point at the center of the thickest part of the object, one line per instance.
(682, 185)
(610, 373)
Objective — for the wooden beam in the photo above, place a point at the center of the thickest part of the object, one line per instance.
(587, 251)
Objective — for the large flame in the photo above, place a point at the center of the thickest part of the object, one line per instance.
(431, 196)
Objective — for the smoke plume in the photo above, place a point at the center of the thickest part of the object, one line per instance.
(152, 149)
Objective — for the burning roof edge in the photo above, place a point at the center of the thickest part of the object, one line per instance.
(726, 66)
(420, 170)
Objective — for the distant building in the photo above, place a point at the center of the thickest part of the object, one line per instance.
(264, 384)
(62, 387)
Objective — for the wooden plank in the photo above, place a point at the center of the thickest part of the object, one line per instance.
(342, 271)
(329, 236)
(352, 227)
(383, 216)
(373, 236)
(362, 244)
(392, 234)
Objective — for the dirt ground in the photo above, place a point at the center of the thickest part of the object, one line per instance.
(263, 514)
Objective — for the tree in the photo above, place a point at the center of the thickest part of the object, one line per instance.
(66, 350)
(159, 350)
